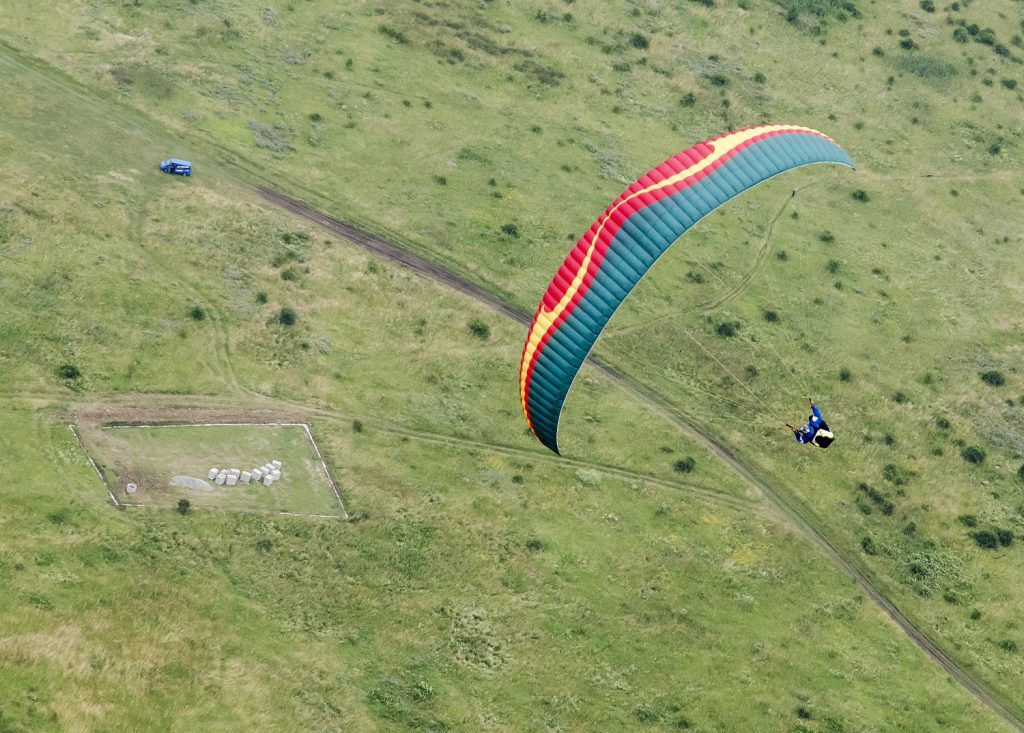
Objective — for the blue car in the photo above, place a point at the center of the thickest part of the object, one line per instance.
(176, 166)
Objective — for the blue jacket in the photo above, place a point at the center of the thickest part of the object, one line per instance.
(809, 429)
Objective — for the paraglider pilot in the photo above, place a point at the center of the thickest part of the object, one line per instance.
(815, 431)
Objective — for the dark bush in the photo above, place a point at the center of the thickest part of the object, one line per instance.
(639, 40)
(1005, 537)
(896, 475)
(781, 254)
(845, 375)
(986, 539)
(518, 479)
(927, 6)
(994, 148)
(889, 439)
(759, 78)
(684, 465)
(832, 266)
(479, 329)
(510, 229)
(196, 313)
(688, 100)
(357, 426)
(908, 44)
(316, 117)
(804, 713)
(968, 520)
(1008, 645)
(771, 316)
(287, 316)
(942, 423)
(975, 614)
(827, 237)
(534, 544)
(1020, 472)
(261, 297)
(993, 377)
(290, 274)
(726, 330)
(878, 51)
(1009, 83)
(184, 506)
(900, 398)
(973, 454)
(868, 545)
(393, 34)
(264, 544)
(861, 195)
(68, 371)
(695, 277)
(440, 180)
(719, 80)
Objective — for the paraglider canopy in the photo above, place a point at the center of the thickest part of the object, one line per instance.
(621, 246)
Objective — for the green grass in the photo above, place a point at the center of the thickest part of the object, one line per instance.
(487, 585)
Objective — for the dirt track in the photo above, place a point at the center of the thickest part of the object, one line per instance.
(789, 510)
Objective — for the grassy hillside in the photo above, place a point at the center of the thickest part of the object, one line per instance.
(487, 585)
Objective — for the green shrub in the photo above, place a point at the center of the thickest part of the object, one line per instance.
(264, 544)
(1005, 537)
(261, 297)
(993, 377)
(534, 544)
(771, 316)
(393, 34)
(196, 313)
(968, 520)
(1008, 645)
(684, 465)
(973, 454)
(68, 371)
(942, 423)
(861, 195)
(986, 539)
(900, 398)
(688, 100)
(479, 329)
(640, 41)
(510, 229)
(845, 375)
(832, 266)
(287, 316)
(868, 545)
(727, 330)
(184, 506)
(357, 426)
